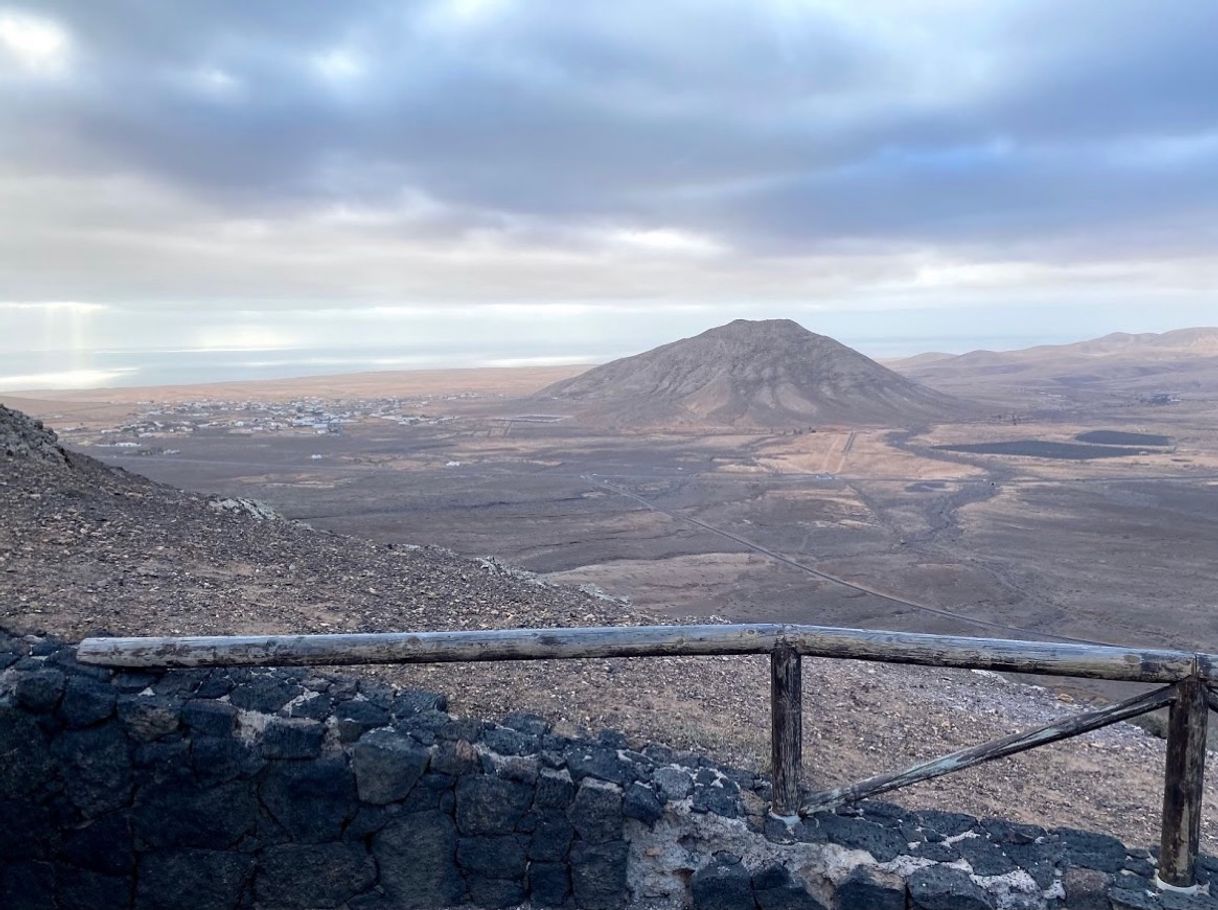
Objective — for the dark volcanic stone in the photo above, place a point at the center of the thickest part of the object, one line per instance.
(774, 889)
(32, 837)
(1007, 832)
(722, 886)
(205, 715)
(587, 760)
(495, 892)
(555, 790)
(416, 701)
(102, 846)
(1090, 850)
(946, 888)
(86, 701)
(319, 707)
(673, 783)
(21, 736)
(491, 805)
(176, 815)
(496, 856)
(598, 874)
(313, 875)
(82, 889)
(884, 843)
(944, 824)
(266, 694)
(27, 886)
(149, 717)
(984, 856)
(417, 856)
(216, 759)
(642, 803)
(387, 765)
(506, 741)
(98, 779)
(191, 880)
(532, 724)
(292, 738)
(866, 889)
(1086, 889)
(357, 717)
(551, 837)
(549, 884)
(310, 800)
(717, 800)
(40, 690)
(596, 813)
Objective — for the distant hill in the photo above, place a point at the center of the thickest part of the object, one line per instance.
(1180, 361)
(769, 373)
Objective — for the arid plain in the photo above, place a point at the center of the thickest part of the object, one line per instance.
(838, 525)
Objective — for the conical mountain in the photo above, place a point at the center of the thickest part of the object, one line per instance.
(768, 373)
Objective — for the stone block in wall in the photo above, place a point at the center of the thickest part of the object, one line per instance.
(387, 765)
(209, 717)
(39, 690)
(551, 836)
(82, 889)
(265, 693)
(555, 789)
(292, 738)
(722, 885)
(306, 876)
(149, 717)
(103, 845)
(417, 857)
(641, 802)
(946, 888)
(494, 856)
(1086, 889)
(491, 805)
(598, 761)
(549, 884)
(984, 856)
(1090, 850)
(495, 892)
(180, 814)
(309, 800)
(356, 717)
(86, 701)
(596, 812)
(867, 888)
(100, 759)
(27, 765)
(598, 874)
(216, 759)
(27, 886)
(775, 889)
(192, 880)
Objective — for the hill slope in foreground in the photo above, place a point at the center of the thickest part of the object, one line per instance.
(86, 549)
(770, 373)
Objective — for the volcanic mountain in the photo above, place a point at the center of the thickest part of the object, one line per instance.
(769, 373)
(1121, 365)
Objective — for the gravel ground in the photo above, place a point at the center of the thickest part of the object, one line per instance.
(88, 550)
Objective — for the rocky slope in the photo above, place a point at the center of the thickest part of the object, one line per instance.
(85, 549)
(771, 373)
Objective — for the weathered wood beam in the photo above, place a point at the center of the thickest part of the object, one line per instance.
(429, 647)
(999, 748)
(1012, 656)
(1090, 661)
(786, 728)
(1184, 775)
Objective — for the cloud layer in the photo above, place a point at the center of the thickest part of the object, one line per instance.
(312, 156)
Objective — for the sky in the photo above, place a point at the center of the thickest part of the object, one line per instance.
(487, 180)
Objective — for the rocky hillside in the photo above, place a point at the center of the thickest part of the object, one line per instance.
(85, 549)
(771, 373)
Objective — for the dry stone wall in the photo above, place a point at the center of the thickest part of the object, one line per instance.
(294, 790)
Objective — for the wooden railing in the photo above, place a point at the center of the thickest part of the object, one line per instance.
(1187, 678)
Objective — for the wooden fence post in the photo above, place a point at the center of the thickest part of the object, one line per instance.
(786, 728)
(1182, 785)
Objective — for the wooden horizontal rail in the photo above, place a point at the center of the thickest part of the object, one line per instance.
(999, 748)
(1052, 658)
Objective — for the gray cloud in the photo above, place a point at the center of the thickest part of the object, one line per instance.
(236, 153)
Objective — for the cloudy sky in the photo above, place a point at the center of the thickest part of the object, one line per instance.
(556, 179)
